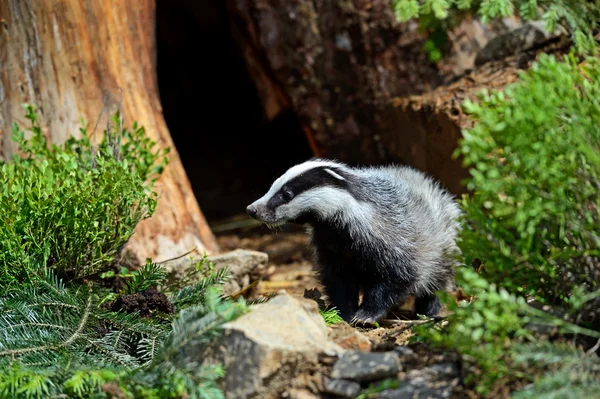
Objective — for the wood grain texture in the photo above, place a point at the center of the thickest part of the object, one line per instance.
(65, 56)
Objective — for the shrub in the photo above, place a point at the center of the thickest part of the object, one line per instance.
(73, 206)
(531, 223)
(68, 210)
(535, 165)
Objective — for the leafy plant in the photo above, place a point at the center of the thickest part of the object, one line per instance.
(573, 373)
(531, 223)
(535, 165)
(73, 206)
(68, 210)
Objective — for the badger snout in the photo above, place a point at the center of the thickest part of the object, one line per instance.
(260, 212)
(252, 211)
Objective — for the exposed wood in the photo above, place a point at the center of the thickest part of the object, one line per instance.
(335, 62)
(64, 56)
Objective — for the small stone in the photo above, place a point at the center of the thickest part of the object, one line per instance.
(343, 388)
(348, 338)
(404, 351)
(245, 267)
(361, 367)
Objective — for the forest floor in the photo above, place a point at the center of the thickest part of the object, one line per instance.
(290, 268)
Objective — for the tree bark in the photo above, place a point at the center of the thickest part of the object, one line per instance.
(65, 56)
(361, 83)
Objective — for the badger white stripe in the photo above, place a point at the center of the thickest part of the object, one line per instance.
(332, 173)
(296, 171)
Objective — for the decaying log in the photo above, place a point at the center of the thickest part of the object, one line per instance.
(360, 82)
(64, 56)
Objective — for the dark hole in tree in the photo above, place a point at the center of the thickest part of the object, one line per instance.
(230, 152)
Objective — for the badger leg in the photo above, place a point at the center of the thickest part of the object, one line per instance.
(344, 296)
(378, 300)
(428, 305)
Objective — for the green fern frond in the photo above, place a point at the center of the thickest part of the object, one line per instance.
(195, 293)
(261, 299)
(148, 275)
(563, 384)
(563, 355)
(331, 316)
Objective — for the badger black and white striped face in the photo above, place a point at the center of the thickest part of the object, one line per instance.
(316, 188)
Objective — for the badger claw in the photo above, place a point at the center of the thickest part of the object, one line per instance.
(362, 318)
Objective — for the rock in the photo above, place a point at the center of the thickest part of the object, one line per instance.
(361, 367)
(299, 394)
(265, 349)
(245, 267)
(435, 382)
(349, 338)
(343, 388)
(404, 350)
(530, 35)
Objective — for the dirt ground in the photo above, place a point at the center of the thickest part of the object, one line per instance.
(290, 267)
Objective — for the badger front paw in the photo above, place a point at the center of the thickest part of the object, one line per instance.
(367, 317)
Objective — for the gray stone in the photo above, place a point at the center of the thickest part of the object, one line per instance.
(265, 349)
(435, 382)
(530, 35)
(343, 388)
(245, 267)
(361, 366)
(404, 351)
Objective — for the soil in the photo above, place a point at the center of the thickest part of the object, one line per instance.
(290, 266)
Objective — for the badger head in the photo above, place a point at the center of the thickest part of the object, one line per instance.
(313, 190)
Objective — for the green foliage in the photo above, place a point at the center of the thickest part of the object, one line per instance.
(535, 164)
(578, 16)
(73, 206)
(68, 211)
(531, 218)
(331, 315)
(573, 373)
(482, 331)
(57, 340)
(375, 388)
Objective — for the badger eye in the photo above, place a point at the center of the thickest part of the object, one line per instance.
(287, 195)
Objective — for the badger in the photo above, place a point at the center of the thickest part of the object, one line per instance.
(388, 232)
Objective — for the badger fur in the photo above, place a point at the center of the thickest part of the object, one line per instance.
(388, 231)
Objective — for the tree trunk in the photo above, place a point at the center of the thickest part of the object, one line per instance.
(361, 83)
(64, 56)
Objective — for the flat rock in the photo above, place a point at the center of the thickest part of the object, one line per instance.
(265, 349)
(343, 388)
(435, 382)
(348, 337)
(361, 366)
(245, 267)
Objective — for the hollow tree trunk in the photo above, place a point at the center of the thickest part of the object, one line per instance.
(64, 56)
(360, 82)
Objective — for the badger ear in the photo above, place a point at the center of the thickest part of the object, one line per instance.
(332, 173)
